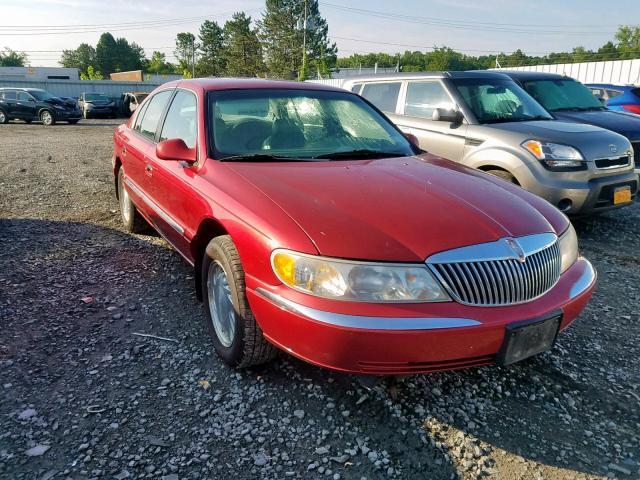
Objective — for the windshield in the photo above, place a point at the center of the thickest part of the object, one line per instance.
(563, 94)
(41, 94)
(496, 100)
(92, 97)
(300, 124)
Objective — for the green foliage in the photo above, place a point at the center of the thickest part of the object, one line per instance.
(242, 51)
(117, 55)
(90, 74)
(211, 60)
(80, 58)
(158, 64)
(282, 33)
(186, 52)
(11, 58)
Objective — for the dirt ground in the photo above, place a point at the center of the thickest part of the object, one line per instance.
(82, 396)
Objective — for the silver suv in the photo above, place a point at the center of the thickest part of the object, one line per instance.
(485, 121)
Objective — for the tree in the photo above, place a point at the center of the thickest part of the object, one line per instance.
(158, 64)
(211, 60)
(106, 55)
(628, 37)
(81, 58)
(282, 31)
(11, 58)
(90, 74)
(185, 52)
(242, 51)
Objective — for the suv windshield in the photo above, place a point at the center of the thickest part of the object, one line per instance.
(565, 94)
(41, 94)
(299, 124)
(92, 97)
(497, 100)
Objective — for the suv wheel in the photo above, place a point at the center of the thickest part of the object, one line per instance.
(503, 174)
(237, 337)
(46, 117)
(3, 117)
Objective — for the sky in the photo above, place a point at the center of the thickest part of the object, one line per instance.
(474, 27)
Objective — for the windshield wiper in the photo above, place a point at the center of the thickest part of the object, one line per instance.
(362, 153)
(261, 157)
(568, 109)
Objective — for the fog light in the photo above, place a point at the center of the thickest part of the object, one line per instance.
(565, 205)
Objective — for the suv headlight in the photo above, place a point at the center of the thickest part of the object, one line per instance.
(356, 281)
(556, 156)
(568, 243)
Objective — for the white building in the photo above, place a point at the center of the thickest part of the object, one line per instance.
(38, 73)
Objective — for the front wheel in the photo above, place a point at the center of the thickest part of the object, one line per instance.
(3, 117)
(46, 117)
(237, 337)
(503, 174)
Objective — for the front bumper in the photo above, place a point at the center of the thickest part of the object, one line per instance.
(68, 115)
(408, 338)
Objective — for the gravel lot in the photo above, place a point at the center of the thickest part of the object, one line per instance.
(82, 396)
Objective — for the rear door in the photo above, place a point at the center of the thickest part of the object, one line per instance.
(138, 151)
(9, 100)
(421, 98)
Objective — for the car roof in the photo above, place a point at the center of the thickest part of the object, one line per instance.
(208, 84)
(419, 75)
(525, 75)
(611, 85)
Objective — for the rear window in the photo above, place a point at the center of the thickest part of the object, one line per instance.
(382, 95)
(8, 95)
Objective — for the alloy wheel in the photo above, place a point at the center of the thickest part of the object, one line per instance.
(223, 314)
(46, 118)
(3, 117)
(125, 203)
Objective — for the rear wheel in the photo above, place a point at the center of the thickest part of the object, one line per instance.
(46, 117)
(3, 117)
(131, 218)
(503, 174)
(237, 337)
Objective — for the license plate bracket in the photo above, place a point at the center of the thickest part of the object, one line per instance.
(526, 338)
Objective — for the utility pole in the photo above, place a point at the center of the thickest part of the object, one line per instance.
(193, 58)
(304, 44)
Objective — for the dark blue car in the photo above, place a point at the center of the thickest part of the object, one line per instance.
(569, 100)
(622, 98)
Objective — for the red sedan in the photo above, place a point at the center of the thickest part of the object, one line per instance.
(314, 226)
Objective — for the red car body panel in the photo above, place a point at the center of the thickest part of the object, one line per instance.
(400, 210)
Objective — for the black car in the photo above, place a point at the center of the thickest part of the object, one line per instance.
(97, 105)
(31, 104)
(571, 101)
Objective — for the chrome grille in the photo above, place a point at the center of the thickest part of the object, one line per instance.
(507, 280)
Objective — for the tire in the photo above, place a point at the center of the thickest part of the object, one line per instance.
(503, 174)
(132, 221)
(72, 122)
(4, 118)
(47, 118)
(239, 339)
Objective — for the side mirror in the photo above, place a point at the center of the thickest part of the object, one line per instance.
(175, 149)
(446, 115)
(412, 138)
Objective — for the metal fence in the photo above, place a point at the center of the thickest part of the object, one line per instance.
(613, 71)
(72, 88)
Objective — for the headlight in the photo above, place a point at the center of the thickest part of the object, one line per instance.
(356, 281)
(568, 242)
(556, 156)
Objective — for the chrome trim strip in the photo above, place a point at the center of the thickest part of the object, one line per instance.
(364, 322)
(498, 250)
(161, 213)
(584, 282)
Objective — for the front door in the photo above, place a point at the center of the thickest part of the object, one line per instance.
(25, 106)
(422, 97)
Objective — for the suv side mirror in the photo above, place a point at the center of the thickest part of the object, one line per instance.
(175, 149)
(447, 115)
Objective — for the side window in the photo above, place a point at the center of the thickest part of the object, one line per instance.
(424, 97)
(151, 116)
(356, 87)
(181, 119)
(139, 117)
(23, 97)
(382, 95)
(613, 93)
(9, 95)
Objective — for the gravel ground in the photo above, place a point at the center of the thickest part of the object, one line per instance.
(82, 396)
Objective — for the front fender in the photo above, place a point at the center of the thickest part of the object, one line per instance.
(504, 158)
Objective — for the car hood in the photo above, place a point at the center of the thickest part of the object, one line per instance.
(626, 124)
(401, 209)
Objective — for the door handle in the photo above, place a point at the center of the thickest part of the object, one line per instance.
(148, 169)
(124, 150)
